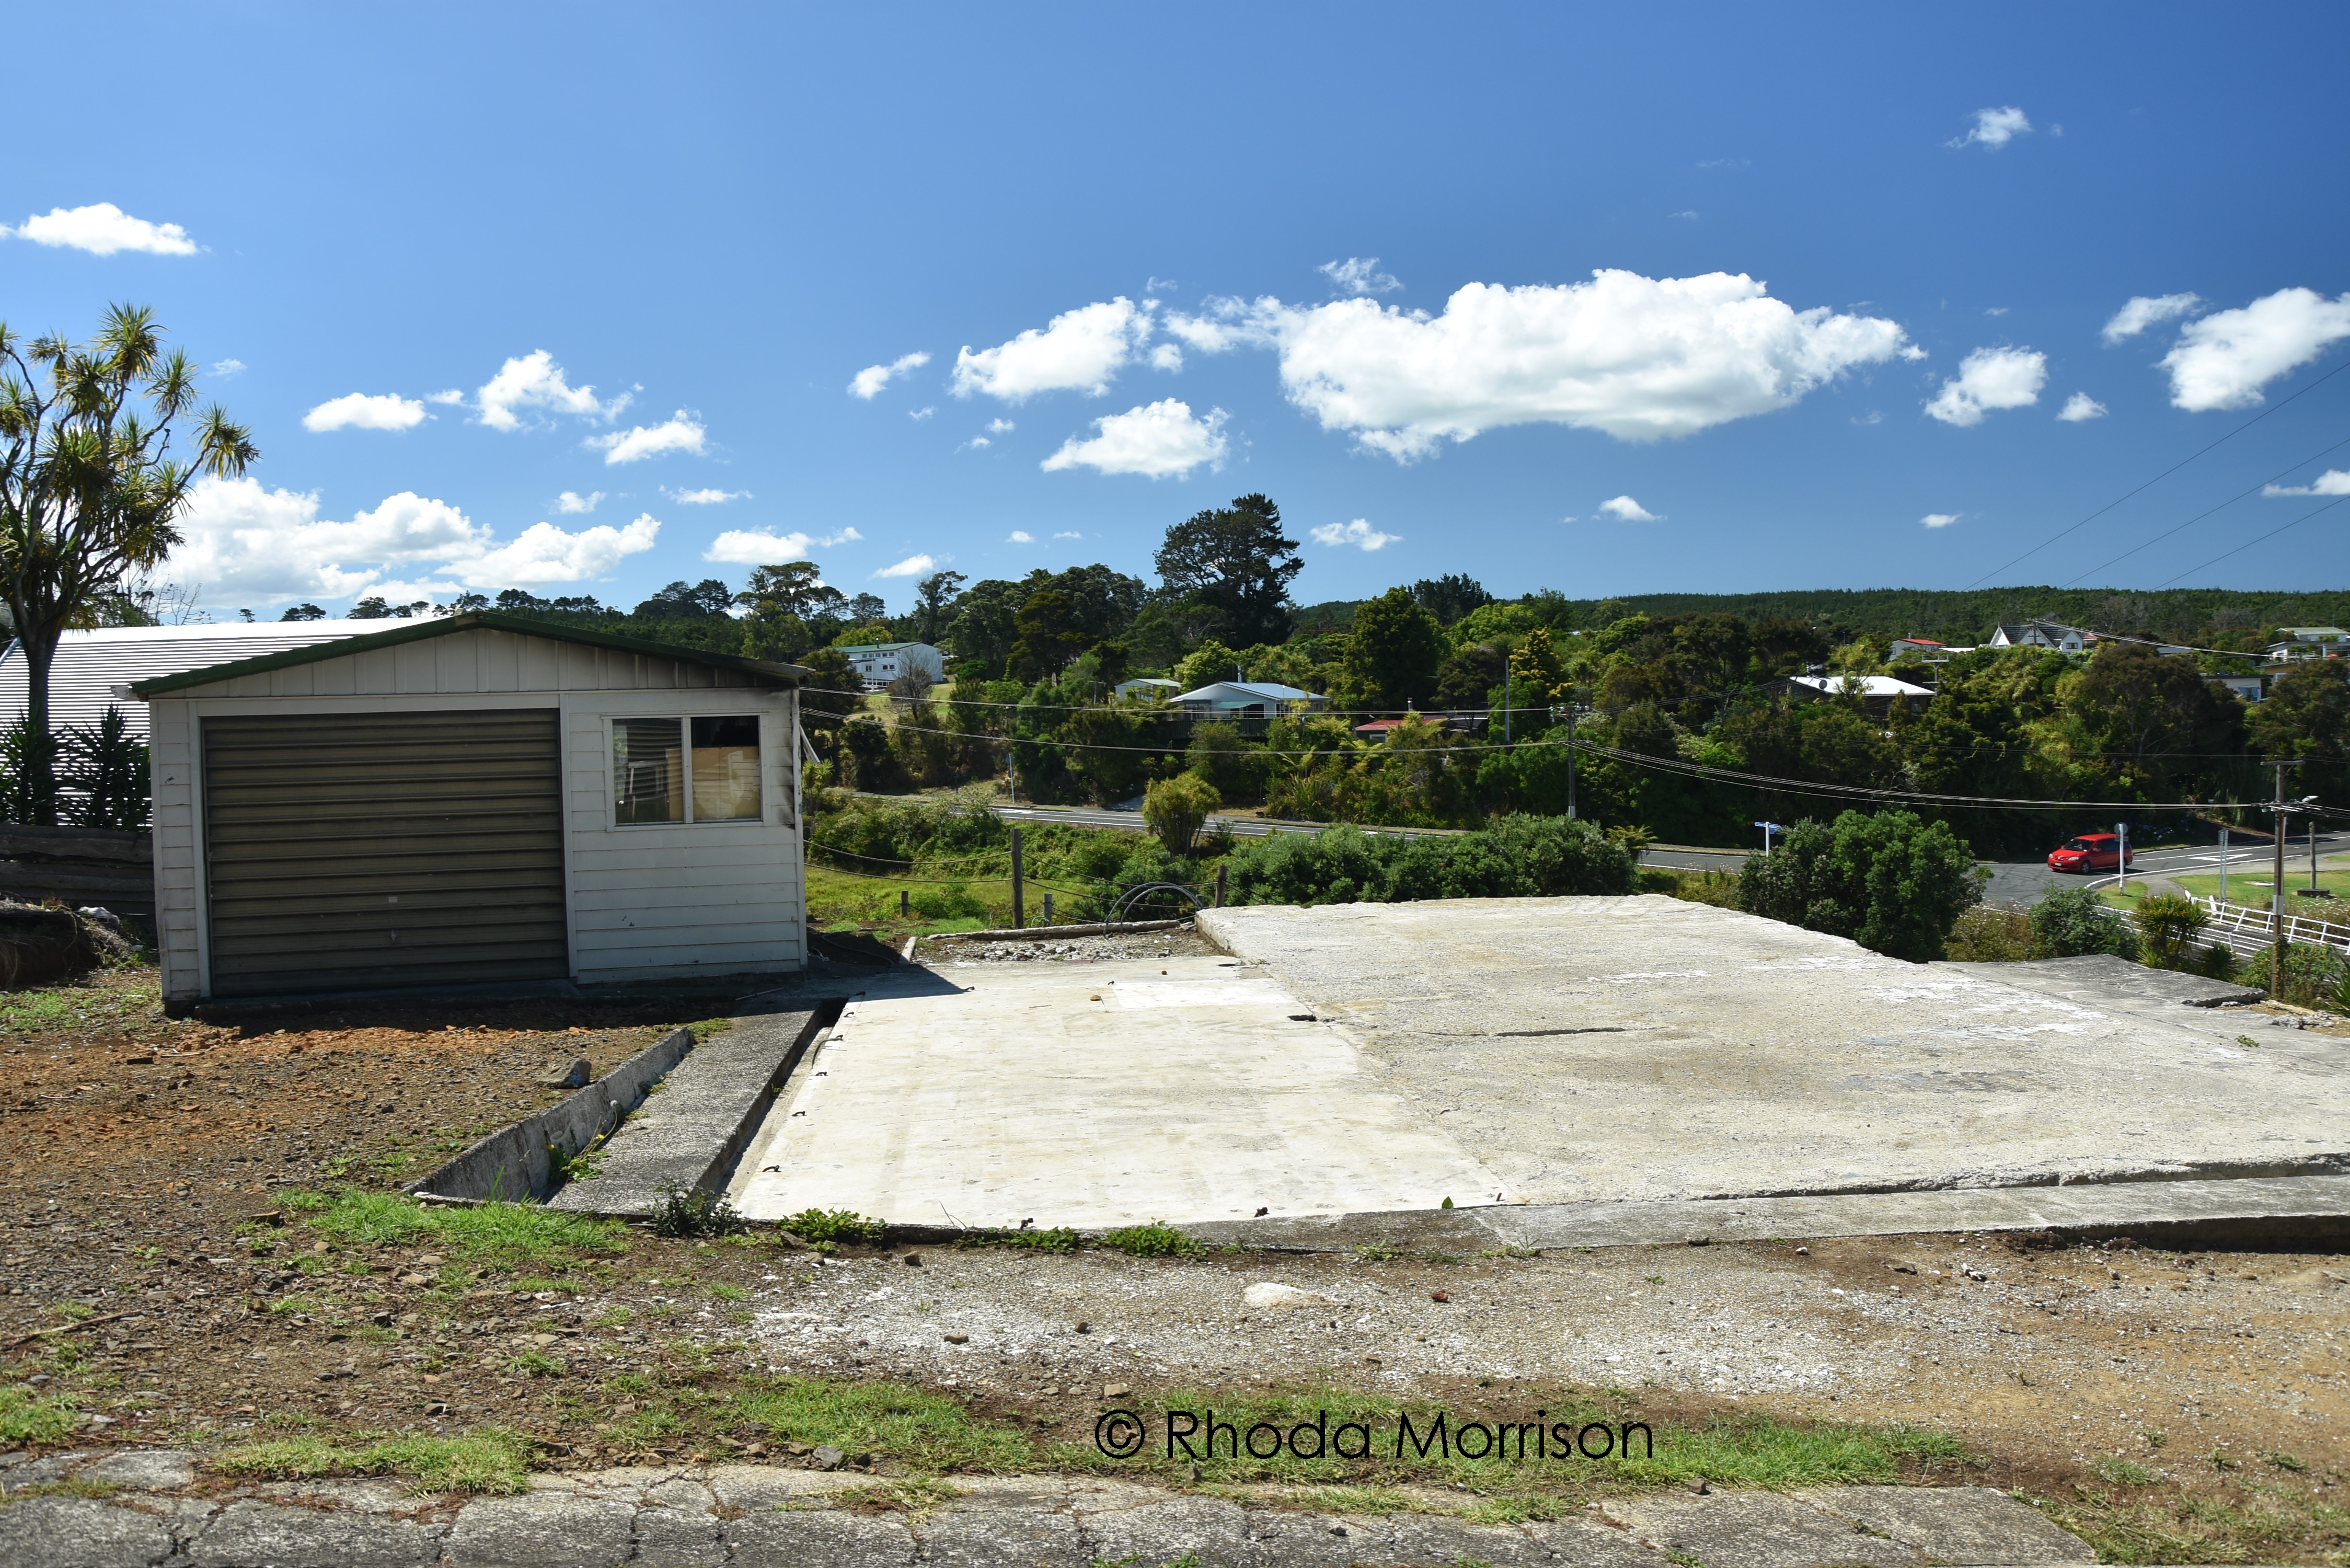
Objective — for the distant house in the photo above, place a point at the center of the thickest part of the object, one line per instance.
(1877, 693)
(1247, 701)
(2309, 642)
(2042, 634)
(2247, 687)
(1150, 688)
(1927, 645)
(880, 663)
(1459, 723)
(93, 670)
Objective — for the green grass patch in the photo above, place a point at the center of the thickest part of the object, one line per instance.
(834, 1225)
(536, 1283)
(1058, 1238)
(94, 1490)
(29, 1417)
(1153, 1240)
(494, 1235)
(726, 1293)
(536, 1363)
(486, 1461)
(2122, 1472)
(926, 1432)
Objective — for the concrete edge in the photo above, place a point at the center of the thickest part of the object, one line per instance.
(515, 1163)
(1053, 933)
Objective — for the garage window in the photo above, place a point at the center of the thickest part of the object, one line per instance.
(685, 770)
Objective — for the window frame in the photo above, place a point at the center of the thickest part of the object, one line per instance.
(684, 721)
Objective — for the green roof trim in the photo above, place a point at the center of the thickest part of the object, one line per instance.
(472, 620)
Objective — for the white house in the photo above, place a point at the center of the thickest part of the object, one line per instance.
(478, 799)
(2042, 634)
(1149, 688)
(2247, 687)
(1246, 699)
(880, 663)
(1877, 693)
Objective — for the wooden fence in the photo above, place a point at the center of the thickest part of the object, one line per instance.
(2247, 931)
(81, 866)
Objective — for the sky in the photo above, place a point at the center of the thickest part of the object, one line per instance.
(584, 299)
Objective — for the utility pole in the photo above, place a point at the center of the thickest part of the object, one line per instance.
(2121, 860)
(1570, 761)
(2223, 866)
(2278, 815)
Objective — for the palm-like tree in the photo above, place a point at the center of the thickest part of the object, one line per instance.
(89, 489)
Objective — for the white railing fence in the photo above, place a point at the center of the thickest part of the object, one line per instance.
(2245, 931)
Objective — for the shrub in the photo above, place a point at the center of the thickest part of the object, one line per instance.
(818, 1225)
(2314, 977)
(1991, 933)
(1517, 857)
(1153, 1240)
(1891, 882)
(1178, 808)
(2216, 962)
(2076, 922)
(696, 1212)
(2167, 924)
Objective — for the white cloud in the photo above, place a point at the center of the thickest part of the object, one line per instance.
(1874, 417)
(1079, 350)
(1358, 532)
(2223, 361)
(1211, 336)
(911, 566)
(572, 501)
(975, 443)
(682, 433)
(867, 383)
(761, 548)
(451, 396)
(2146, 310)
(1624, 509)
(1641, 358)
(1991, 379)
(2079, 406)
(1069, 535)
(706, 497)
(1156, 438)
(1360, 274)
(921, 413)
(1995, 310)
(1690, 216)
(241, 542)
(536, 382)
(546, 553)
(1020, 536)
(1166, 357)
(1000, 427)
(224, 368)
(2333, 481)
(385, 411)
(102, 228)
(1940, 519)
(1995, 128)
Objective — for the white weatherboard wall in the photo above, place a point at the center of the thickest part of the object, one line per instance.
(645, 902)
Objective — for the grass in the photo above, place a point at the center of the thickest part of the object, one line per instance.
(927, 1433)
(2267, 1526)
(835, 1226)
(94, 1490)
(1153, 1240)
(696, 1212)
(491, 1235)
(29, 1417)
(1058, 1238)
(486, 1461)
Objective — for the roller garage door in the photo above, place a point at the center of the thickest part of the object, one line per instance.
(349, 851)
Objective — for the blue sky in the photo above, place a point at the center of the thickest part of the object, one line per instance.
(1833, 241)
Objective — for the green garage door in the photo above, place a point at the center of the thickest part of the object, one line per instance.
(351, 851)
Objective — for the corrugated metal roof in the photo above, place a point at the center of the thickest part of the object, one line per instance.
(91, 664)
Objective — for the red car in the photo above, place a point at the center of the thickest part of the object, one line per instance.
(2090, 852)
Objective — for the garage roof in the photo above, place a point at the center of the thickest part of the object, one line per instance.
(472, 620)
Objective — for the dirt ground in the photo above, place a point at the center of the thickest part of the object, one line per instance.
(161, 1262)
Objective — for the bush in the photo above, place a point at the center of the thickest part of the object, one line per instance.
(1891, 882)
(1991, 933)
(2076, 922)
(1517, 857)
(821, 1225)
(2167, 924)
(1153, 1240)
(1178, 808)
(696, 1212)
(2314, 977)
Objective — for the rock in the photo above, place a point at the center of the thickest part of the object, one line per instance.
(797, 1450)
(1440, 1295)
(1115, 1390)
(828, 1458)
(565, 1073)
(913, 1260)
(958, 1339)
(1279, 1297)
(1697, 1484)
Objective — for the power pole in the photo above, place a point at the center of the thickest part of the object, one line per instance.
(1018, 918)
(1570, 761)
(2276, 886)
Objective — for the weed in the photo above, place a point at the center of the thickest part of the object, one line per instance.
(94, 1490)
(2122, 1472)
(579, 1164)
(2285, 1462)
(1153, 1240)
(834, 1225)
(709, 1026)
(487, 1462)
(726, 1293)
(926, 1432)
(533, 1283)
(1375, 1252)
(920, 1496)
(610, 1317)
(29, 1417)
(1512, 1250)
(536, 1363)
(1653, 1279)
(1059, 1239)
(696, 1212)
(73, 1312)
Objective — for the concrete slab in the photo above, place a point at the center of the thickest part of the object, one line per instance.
(2101, 980)
(1646, 1049)
(1094, 1096)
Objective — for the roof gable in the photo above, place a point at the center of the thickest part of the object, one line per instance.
(472, 620)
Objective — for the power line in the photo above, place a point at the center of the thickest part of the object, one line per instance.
(2198, 517)
(2262, 540)
(1864, 792)
(2158, 478)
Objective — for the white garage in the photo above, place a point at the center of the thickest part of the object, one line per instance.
(484, 799)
